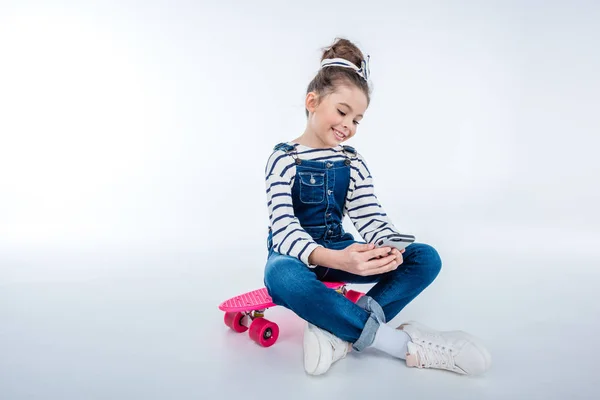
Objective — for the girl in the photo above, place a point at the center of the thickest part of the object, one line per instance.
(314, 181)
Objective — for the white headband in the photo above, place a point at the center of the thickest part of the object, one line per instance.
(341, 62)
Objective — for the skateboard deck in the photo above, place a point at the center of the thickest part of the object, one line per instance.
(259, 299)
(246, 311)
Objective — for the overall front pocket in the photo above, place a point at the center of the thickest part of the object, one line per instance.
(312, 187)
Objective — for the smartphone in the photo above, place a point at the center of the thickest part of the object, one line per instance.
(398, 241)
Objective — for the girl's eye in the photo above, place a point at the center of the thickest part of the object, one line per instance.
(343, 114)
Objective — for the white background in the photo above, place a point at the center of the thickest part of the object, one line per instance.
(133, 141)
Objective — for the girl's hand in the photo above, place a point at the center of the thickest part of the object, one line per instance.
(365, 259)
(398, 254)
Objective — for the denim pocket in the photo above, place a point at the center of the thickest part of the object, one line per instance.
(312, 187)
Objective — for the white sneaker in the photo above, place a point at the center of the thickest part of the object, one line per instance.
(321, 349)
(454, 351)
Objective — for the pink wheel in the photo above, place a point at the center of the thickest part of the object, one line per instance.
(234, 321)
(353, 295)
(264, 332)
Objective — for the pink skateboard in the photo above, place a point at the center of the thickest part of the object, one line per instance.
(247, 311)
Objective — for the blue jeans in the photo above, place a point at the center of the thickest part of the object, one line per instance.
(293, 285)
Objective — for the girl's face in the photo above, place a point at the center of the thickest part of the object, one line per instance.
(335, 119)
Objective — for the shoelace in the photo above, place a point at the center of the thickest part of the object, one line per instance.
(436, 356)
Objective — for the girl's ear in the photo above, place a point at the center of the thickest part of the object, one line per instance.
(312, 101)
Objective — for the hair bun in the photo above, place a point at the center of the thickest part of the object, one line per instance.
(343, 48)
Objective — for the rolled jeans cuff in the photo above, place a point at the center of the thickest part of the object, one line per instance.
(376, 317)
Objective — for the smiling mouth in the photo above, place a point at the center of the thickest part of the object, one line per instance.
(338, 135)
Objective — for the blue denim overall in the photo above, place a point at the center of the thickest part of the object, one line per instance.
(318, 197)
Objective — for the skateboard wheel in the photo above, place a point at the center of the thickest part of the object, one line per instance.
(353, 295)
(234, 321)
(264, 332)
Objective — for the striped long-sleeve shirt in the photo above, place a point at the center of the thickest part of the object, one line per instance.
(362, 206)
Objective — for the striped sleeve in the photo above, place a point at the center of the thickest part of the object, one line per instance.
(289, 237)
(363, 207)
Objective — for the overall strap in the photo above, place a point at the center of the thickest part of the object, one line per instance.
(284, 147)
(288, 149)
(353, 154)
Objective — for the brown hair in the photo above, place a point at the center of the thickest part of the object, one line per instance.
(328, 79)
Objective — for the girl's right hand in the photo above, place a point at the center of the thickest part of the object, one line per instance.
(365, 259)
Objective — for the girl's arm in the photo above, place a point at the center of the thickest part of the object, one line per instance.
(289, 237)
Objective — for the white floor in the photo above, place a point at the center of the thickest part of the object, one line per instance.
(133, 325)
